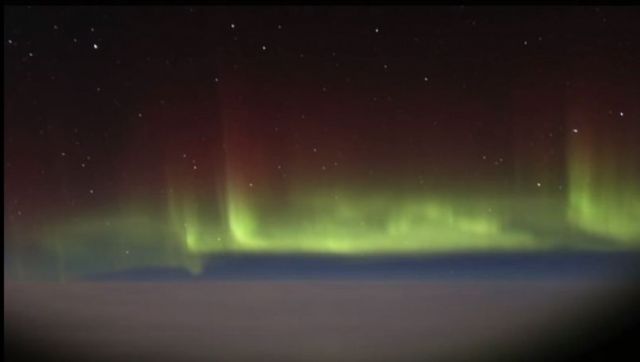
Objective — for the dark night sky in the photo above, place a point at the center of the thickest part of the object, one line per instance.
(227, 123)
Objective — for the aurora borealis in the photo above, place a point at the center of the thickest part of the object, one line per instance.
(166, 136)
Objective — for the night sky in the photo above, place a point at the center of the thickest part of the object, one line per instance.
(162, 136)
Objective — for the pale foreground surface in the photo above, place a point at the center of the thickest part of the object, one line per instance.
(293, 320)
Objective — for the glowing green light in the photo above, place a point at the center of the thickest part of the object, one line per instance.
(601, 203)
(242, 221)
(604, 188)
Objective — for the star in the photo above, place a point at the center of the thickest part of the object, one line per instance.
(95, 46)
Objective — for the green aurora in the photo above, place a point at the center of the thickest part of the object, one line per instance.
(242, 206)
(175, 141)
(350, 223)
(604, 192)
(598, 210)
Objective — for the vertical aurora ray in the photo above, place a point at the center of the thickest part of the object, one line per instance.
(252, 189)
(242, 220)
(185, 221)
(604, 182)
(238, 149)
(195, 222)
